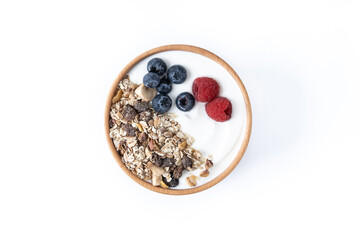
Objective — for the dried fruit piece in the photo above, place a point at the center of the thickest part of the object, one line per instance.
(208, 164)
(141, 106)
(177, 173)
(172, 183)
(168, 162)
(142, 137)
(117, 97)
(204, 173)
(191, 180)
(186, 161)
(157, 160)
(129, 130)
(122, 146)
(129, 113)
(145, 93)
(111, 123)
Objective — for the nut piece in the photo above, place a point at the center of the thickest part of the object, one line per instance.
(191, 181)
(145, 93)
(152, 145)
(148, 177)
(182, 145)
(117, 97)
(147, 153)
(204, 173)
(197, 155)
(157, 173)
(208, 164)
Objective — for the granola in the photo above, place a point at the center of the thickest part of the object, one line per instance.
(151, 145)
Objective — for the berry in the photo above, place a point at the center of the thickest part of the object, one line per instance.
(185, 101)
(173, 182)
(151, 80)
(219, 109)
(164, 86)
(157, 65)
(161, 103)
(205, 89)
(177, 74)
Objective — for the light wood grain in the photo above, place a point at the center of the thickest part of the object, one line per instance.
(208, 54)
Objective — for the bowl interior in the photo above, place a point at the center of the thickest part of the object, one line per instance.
(225, 141)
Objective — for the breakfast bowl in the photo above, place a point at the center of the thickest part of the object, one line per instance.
(206, 147)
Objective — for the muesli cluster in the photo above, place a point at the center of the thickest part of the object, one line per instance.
(151, 144)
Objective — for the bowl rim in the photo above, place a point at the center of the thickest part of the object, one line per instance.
(205, 53)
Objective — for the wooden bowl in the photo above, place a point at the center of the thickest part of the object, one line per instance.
(203, 52)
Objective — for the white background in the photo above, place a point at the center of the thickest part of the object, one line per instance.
(299, 178)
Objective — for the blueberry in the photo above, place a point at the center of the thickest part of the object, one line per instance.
(177, 74)
(151, 80)
(157, 65)
(161, 103)
(185, 101)
(164, 86)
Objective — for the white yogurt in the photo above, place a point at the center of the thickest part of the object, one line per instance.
(221, 139)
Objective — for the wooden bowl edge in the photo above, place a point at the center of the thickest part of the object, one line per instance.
(208, 54)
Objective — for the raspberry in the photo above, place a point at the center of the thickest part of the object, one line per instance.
(205, 89)
(219, 109)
